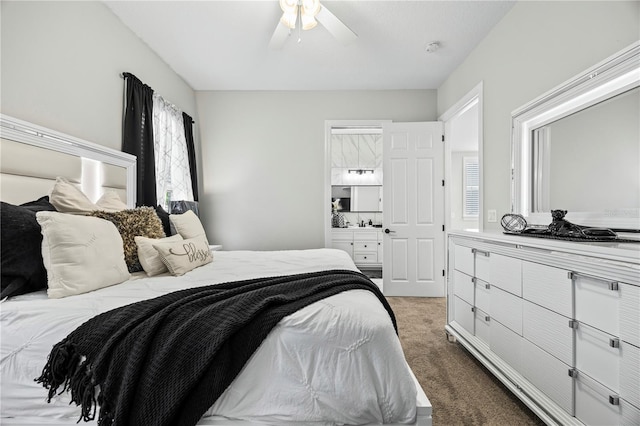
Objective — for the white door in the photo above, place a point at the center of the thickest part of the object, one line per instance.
(413, 206)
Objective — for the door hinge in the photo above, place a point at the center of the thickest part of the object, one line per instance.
(442, 138)
(442, 182)
(443, 272)
(442, 228)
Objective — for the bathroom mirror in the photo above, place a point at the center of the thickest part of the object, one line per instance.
(365, 198)
(577, 148)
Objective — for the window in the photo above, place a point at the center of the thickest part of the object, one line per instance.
(471, 188)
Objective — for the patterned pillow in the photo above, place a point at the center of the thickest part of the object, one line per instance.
(183, 256)
(141, 221)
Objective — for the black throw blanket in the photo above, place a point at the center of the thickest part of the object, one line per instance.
(165, 361)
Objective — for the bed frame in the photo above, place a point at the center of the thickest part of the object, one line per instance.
(32, 156)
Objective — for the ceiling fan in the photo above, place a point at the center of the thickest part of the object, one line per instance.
(307, 13)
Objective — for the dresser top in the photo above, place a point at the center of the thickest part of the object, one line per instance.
(622, 252)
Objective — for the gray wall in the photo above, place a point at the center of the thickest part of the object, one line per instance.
(61, 63)
(536, 46)
(263, 156)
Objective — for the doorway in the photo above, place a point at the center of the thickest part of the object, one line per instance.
(463, 163)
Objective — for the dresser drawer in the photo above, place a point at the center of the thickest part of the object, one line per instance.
(482, 324)
(598, 303)
(463, 259)
(598, 354)
(506, 308)
(548, 374)
(483, 265)
(371, 246)
(506, 273)
(506, 344)
(463, 287)
(630, 314)
(365, 235)
(463, 314)
(483, 295)
(547, 286)
(548, 330)
(598, 405)
(365, 257)
(630, 373)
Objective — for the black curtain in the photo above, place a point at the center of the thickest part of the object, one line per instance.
(188, 134)
(137, 138)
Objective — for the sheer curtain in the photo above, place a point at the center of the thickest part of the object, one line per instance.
(172, 168)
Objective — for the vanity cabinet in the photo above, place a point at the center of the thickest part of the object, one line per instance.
(557, 322)
(364, 245)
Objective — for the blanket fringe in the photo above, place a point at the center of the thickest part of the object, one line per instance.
(66, 368)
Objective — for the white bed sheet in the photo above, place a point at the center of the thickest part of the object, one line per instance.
(337, 361)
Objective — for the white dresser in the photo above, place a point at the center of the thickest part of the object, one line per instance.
(364, 245)
(557, 322)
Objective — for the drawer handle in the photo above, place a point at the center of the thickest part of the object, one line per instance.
(612, 285)
(487, 318)
(474, 280)
(614, 343)
(476, 251)
(365, 246)
(573, 324)
(573, 373)
(487, 286)
(614, 400)
(473, 309)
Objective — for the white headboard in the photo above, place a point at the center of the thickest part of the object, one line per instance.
(32, 156)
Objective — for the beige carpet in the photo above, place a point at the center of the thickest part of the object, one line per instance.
(461, 390)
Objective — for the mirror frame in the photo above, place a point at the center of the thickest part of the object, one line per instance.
(616, 74)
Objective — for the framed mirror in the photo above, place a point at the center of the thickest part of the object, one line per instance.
(577, 148)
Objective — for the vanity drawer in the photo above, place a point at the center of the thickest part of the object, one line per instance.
(483, 326)
(463, 314)
(365, 257)
(548, 330)
(547, 286)
(506, 273)
(463, 287)
(365, 235)
(365, 246)
(483, 295)
(506, 308)
(598, 405)
(548, 374)
(463, 259)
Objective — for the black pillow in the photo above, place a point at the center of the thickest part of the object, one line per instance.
(21, 240)
(164, 218)
(40, 205)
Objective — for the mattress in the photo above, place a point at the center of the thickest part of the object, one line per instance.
(337, 361)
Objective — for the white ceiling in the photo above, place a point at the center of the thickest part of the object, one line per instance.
(223, 45)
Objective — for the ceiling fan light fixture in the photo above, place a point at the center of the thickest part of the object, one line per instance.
(308, 22)
(289, 6)
(310, 7)
(289, 19)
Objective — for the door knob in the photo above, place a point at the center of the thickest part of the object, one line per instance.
(388, 231)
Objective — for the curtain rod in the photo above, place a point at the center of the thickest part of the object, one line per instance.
(122, 75)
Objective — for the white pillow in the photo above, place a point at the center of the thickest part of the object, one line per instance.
(110, 202)
(68, 198)
(188, 225)
(80, 253)
(183, 256)
(149, 256)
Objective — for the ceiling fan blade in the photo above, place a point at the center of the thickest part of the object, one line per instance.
(335, 26)
(279, 36)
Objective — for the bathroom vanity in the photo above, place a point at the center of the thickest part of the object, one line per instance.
(557, 322)
(363, 244)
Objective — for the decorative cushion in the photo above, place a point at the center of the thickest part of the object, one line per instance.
(188, 225)
(68, 198)
(20, 246)
(149, 257)
(183, 256)
(164, 218)
(141, 221)
(110, 202)
(40, 205)
(80, 253)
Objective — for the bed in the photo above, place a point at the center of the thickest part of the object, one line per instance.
(335, 361)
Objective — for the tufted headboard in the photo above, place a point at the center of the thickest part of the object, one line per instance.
(31, 157)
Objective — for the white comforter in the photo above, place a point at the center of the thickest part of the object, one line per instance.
(337, 361)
